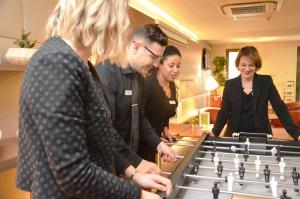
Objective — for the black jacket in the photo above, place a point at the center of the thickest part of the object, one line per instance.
(264, 91)
(117, 82)
(158, 107)
(66, 141)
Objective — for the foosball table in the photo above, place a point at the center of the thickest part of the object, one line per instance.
(247, 165)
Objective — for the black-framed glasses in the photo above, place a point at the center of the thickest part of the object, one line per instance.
(155, 56)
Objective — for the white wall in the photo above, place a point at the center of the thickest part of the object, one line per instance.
(15, 15)
(11, 17)
(11, 20)
(36, 13)
(9, 108)
(279, 59)
(191, 93)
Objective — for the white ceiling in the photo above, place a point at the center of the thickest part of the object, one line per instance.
(205, 19)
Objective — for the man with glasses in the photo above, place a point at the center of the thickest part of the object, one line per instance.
(124, 88)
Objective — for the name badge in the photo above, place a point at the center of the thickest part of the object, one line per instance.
(172, 102)
(128, 92)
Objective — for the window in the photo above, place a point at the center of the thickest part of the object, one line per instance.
(231, 55)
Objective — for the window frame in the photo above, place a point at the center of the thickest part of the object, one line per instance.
(227, 59)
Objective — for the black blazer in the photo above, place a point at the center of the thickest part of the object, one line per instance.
(264, 90)
(67, 143)
(118, 87)
(158, 107)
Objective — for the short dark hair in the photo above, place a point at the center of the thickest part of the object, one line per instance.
(252, 53)
(152, 33)
(170, 51)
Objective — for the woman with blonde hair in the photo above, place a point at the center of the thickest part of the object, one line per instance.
(67, 140)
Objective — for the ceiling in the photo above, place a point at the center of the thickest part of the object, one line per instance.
(206, 20)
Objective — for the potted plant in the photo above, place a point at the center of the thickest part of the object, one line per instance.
(22, 54)
(219, 62)
(194, 121)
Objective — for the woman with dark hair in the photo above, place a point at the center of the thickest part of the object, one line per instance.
(245, 99)
(161, 100)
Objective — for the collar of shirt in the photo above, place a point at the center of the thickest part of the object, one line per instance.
(127, 70)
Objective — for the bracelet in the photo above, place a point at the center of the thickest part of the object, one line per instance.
(131, 176)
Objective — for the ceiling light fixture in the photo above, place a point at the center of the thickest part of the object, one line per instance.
(156, 13)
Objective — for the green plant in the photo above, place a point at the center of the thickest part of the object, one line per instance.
(219, 62)
(194, 120)
(24, 42)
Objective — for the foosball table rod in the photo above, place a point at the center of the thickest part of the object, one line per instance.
(252, 143)
(236, 180)
(232, 169)
(179, 157)
(248, 162)
(250, 155)
(166, 173)
(254, 150)
(221, 191)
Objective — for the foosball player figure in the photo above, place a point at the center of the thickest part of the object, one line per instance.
(220, 169)
(281, 165)
(195, 169)
(278, 156)
(213, 151)
(236, 162)
(215, 190)
(284, 196)
(267, 173)
(246, 156)
(212, 156)
(216, 162)
(247, 146)
(242, 172)
(257, 165)
(295, 176)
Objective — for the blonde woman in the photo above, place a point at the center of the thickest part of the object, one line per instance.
(67, 141)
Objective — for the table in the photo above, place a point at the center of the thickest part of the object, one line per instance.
(198, 154)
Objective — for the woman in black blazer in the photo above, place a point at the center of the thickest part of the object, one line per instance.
(161, 99)
(245, 99)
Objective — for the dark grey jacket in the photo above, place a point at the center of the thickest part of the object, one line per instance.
(116, 82)
(264, 91)
(66, 143)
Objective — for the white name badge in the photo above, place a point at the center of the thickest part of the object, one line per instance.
(172, 102)
(128, 92)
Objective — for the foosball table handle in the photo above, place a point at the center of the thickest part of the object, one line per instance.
(162, 194)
